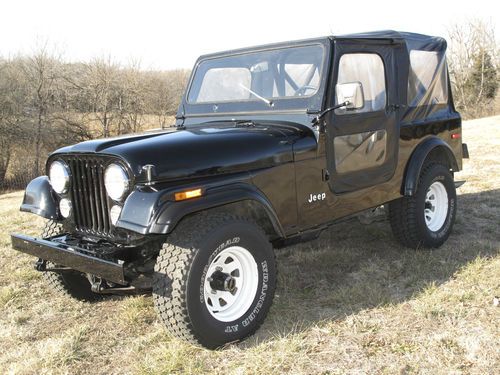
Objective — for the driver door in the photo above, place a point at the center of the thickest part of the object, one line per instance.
(363, 143)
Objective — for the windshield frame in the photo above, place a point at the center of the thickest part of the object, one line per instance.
(254, 105)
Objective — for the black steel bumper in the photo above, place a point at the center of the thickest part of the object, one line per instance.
(70, 256)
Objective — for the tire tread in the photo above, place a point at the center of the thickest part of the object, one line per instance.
(175, 261)
(403, 215)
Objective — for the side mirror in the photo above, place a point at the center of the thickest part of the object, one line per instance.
(352, 93)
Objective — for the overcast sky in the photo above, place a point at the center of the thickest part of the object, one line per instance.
(171, 34)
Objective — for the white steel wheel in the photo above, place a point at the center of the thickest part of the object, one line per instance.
(436, 206)
(231, 284)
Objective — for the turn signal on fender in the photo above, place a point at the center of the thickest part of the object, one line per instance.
(183, 195)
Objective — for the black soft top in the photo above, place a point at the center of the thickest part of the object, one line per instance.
(428, 92)
(428, 95)
(412, 40)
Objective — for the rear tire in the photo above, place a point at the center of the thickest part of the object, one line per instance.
(72, 284)
(214, 280)
(426, 218)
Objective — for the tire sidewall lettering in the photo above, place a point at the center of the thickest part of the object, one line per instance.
(199, 314)
(262, 296)
(258, 306)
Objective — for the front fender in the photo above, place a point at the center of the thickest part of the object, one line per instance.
(152, 213)
(39, 199)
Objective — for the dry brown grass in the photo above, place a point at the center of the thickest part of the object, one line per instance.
(353, 301)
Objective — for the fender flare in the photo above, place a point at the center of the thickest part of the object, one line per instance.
(39, 199)
(417, 160)
(159, 216)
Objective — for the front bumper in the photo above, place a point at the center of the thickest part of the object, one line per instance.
(70, 256)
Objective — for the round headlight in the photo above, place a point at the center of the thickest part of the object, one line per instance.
(65, 207)
(59, 177)
(116, 181)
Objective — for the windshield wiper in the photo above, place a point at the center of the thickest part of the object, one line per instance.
(267, 101)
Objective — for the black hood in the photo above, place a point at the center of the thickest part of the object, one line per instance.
(203, 150)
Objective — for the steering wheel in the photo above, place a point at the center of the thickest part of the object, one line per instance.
(302, 90)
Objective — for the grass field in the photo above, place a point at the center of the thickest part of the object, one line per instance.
(353, 301)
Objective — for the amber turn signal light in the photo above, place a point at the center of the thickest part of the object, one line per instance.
(183, 195)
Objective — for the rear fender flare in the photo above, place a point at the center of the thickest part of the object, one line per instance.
(418, 158)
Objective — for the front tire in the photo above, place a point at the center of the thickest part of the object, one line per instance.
(72, 284)
(426, 218)
(214, 280)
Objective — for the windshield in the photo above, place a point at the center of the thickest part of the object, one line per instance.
(263, 76)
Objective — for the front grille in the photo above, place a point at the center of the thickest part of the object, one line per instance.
(88, 194)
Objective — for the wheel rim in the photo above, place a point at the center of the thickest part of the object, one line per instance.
(436, 206)
(231, 283)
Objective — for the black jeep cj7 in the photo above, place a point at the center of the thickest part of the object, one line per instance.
(272, 144)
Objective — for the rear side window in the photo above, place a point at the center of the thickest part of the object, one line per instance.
(367, 68)
(427, 79)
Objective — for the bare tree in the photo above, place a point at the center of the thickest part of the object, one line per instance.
(5, 131)
(100, 85)
(473, 58)
(74, 118)
(40, 71)
(166, 89)
(132, 99)
(46, 103)
(14, 96)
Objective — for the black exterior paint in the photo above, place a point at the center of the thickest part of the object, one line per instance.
(72, 257)
(392, 54)
(40, 199)
(205, 151)
(417, 162)
(274, 157)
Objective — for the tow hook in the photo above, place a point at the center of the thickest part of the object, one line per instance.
(97, 285)
(101, 286)
(40, 265)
